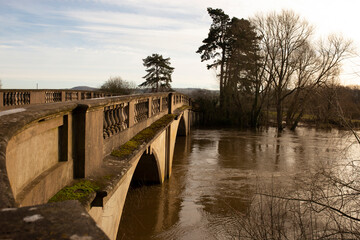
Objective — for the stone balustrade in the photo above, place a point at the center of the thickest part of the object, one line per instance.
(13, 98)
(116, 119)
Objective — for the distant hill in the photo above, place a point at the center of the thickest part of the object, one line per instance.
(194, 91)
(85, 88)
(187, 91)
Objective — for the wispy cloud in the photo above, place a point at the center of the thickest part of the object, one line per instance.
(83, 42)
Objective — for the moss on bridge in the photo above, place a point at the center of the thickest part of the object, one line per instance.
(144, 136)
(83, 190)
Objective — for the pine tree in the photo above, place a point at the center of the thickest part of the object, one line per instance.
(159, 72)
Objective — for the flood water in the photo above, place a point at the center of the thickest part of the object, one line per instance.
(216, 173)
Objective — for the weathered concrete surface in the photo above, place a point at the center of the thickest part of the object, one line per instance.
(64, 220)
(10, 126)
(20, 154)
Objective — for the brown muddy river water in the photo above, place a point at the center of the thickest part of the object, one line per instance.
(216, 173)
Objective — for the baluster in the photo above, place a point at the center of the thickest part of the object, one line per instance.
(135, 113)
(117, 117)
(121, 117)
(13, 98)
(126, 116)
(18, 95)
(105, 124)
(146, 110)
(108, 122)
(153, 107)
(7, 99)
(11, 101)
(24, 98)
(112, 120)
(20, 98)
(28, 98)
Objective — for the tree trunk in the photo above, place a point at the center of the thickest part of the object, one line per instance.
(279, 113)
(296, 121)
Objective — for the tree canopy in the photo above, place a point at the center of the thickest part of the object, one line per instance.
(117, 85)
(159, 72)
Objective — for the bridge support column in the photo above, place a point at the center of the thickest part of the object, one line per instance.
(37, 97)
(88, 140)
(131, 114)
(170, 103)
(63, 96)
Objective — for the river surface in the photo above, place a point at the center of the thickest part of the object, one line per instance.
(216, 173)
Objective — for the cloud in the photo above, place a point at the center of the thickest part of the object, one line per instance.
(84, 42)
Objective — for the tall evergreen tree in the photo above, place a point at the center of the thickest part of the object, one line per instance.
(232, 44)
(216, 44)
(159, 72)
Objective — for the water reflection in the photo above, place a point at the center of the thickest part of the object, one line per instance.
(215, 176)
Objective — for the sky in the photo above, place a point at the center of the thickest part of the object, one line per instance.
(68, 43)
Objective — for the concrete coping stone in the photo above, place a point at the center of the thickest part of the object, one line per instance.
(62, 220)
(99, 102)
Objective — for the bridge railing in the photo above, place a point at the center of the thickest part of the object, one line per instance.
(12, 98)
(41, 143)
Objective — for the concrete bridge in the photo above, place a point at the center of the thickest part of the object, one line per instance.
(88, 151)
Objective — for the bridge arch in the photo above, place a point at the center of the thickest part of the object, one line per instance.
(184, 126)
(147, 170)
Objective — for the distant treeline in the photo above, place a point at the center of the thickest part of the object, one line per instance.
(325, 106)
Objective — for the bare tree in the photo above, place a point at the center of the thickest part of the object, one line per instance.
(117, 85)
(316, 66)
(283, 36)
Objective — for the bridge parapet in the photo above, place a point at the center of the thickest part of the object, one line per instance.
(40, 143)
(13, 98)
(45, 147)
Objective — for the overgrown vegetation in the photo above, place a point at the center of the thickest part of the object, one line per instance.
(144, 136)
